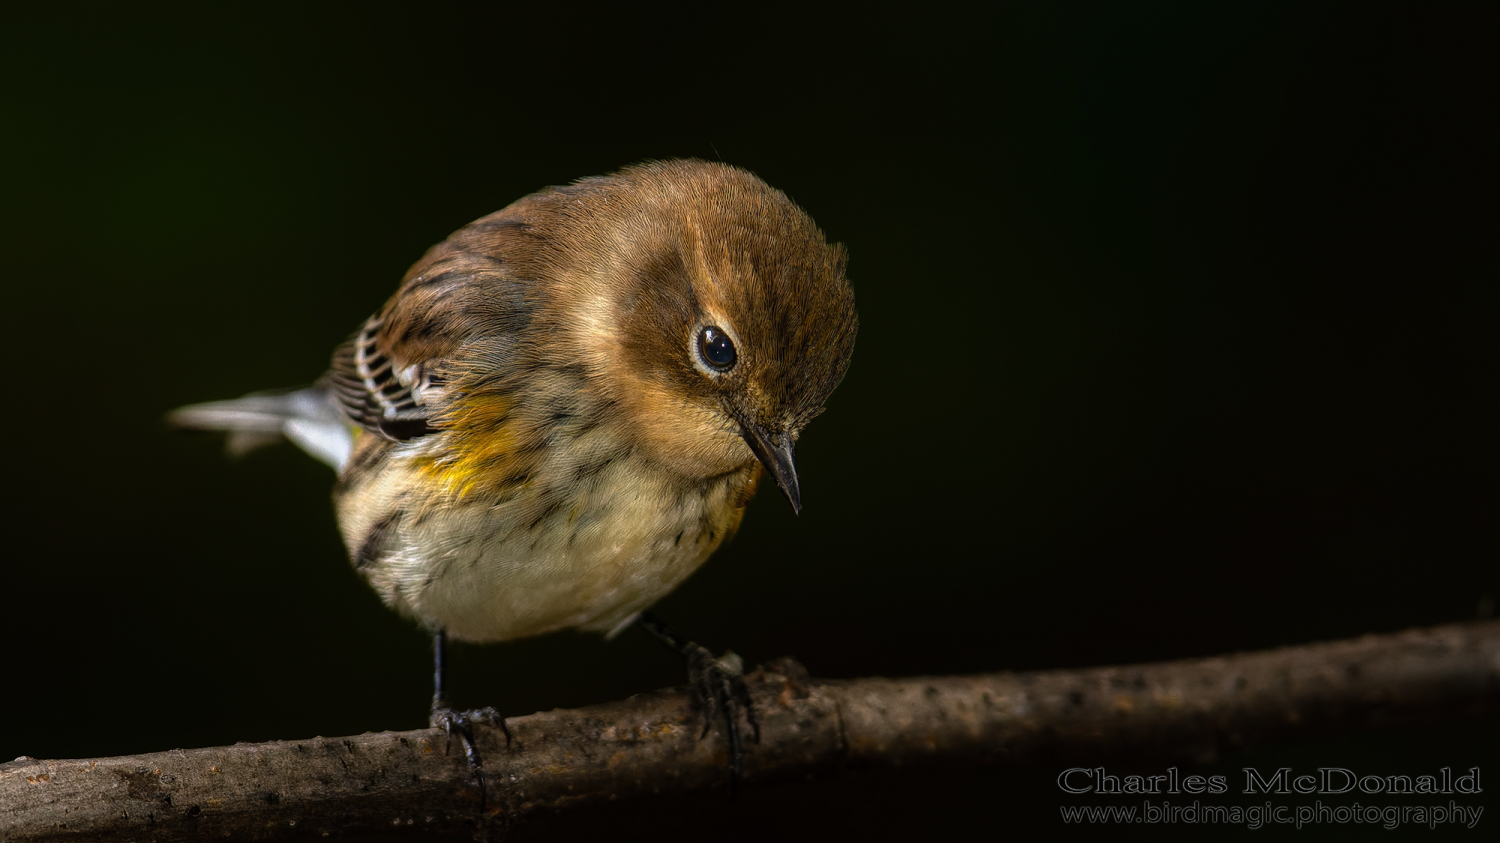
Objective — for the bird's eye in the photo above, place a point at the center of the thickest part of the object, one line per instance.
(716, 348)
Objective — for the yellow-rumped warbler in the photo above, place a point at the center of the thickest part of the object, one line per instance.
(566, 406)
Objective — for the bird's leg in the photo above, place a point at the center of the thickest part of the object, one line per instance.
(450, 720)
(720, 686)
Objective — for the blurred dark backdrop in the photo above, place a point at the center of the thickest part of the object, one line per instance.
(1178, 337)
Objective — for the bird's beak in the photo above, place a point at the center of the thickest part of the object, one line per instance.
(775, 453)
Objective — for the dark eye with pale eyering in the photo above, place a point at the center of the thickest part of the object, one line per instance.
(717, 349)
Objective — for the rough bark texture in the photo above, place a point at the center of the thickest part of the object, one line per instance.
(648, 744)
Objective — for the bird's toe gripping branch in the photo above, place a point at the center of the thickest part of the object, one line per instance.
(719, 684)
(452, 720)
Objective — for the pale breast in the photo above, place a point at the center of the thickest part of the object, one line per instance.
(590, 555)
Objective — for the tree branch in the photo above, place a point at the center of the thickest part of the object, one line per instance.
(648, 744)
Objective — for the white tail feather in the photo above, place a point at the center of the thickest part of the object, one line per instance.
(308, 417)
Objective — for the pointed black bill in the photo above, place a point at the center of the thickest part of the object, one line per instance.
(775, 453)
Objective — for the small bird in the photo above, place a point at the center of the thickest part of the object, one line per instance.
(566, 406)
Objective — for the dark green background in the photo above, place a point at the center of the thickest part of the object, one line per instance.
(1178, 337)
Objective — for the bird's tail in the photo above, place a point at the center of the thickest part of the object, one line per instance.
(309, 417)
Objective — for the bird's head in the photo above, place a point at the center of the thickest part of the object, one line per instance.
(715, 311)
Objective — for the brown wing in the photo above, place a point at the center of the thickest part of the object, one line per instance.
(390, 377)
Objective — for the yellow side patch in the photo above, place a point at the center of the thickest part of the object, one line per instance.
(481, 447)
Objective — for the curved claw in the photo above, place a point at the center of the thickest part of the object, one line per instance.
(451, 720)
(719, 684)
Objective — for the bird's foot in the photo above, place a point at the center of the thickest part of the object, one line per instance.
(721, 689)
(719, 684)
(452, 720)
